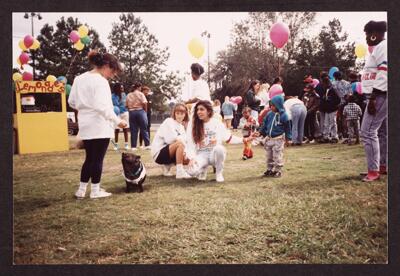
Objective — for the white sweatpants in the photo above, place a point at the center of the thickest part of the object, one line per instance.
(215, 158)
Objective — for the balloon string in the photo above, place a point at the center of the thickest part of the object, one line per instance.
(70, 65)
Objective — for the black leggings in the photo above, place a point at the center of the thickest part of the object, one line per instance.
(93, 166)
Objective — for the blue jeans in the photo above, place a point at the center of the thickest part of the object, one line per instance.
(138, 120)
(299, 113)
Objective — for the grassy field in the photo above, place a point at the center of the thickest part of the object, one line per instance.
(318, 212)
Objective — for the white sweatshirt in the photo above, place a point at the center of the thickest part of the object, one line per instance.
(169, 131)
(375, 70)
(91, 96)
(215, 133)
(288, 104)
(196, 89)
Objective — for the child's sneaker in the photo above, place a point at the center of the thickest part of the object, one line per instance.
(277, 174)
(268, 173)
(115, 146)
(126, 146)
(219, 177)
(371, 176)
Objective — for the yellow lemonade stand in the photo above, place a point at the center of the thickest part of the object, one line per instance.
(40, 119)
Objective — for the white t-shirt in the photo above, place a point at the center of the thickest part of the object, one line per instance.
(288, 104)
(169, 131)
(215, 133)
(91, 96)
(374, 74)
(196, 89)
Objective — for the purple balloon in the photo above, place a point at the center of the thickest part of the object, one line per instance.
(279, 34)
(74, 36)
(24, 58)
(28, 41)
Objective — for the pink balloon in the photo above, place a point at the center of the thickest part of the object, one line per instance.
(236, 100)
(358, 88)
(279, 34)
(275, 90)
(74, 36)
(371, 49)
(315, 82)
(24, 58)
(26, 76)
(28, 41)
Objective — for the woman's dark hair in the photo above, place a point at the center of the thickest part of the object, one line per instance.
(323, 75)
(375, 27)
(135, 86)
(100, 59)
(252, 83)
(198, 125)
(277, 79)
(117, 89)
(197, 69)
(338, 75)
(326, 81)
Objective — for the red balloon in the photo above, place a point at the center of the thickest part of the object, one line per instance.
(28, 41)
(24, 58)
(279, 34)
(26, 76)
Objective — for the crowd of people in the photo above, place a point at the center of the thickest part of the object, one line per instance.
(193, 138)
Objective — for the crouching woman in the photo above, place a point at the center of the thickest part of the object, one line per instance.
(205, 135)
(168, 145)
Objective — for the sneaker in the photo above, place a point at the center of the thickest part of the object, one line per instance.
(115, 147)
(277, 174)
(268, 173)
(182, 174)
(219, 177)
(244, 157)
(202, 176)
(371, 176)
(80, 193)
(133, 149)
(101, 193)
(126, 146)
(147, 148)
(167, 170)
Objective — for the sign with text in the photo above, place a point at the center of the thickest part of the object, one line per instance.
(39, 87)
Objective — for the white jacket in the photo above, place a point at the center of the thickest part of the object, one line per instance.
(375, 70)
(91, 96)
(169, 131)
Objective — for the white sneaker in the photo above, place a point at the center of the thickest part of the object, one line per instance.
(147, 148)
(202, 176)
(80, 193)
(219, 177)
(182, 174)
(101, 193)
(115, 147)
(133, 149)
(126, 146)
(167, 170)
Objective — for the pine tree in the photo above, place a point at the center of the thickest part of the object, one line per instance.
(143, 58)
(57, 56)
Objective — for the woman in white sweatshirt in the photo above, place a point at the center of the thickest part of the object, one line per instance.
(169, 142)
(205, 136)
(91, 97)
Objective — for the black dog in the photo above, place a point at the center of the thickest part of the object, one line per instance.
(134, 172)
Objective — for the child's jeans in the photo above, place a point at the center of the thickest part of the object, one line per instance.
(353, 127)
(274, 152)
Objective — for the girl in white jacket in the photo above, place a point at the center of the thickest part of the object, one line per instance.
(169, 142)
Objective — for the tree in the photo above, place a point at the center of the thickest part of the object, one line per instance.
(143, 58)
(56, 55)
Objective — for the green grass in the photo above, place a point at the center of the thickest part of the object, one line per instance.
(318, 212)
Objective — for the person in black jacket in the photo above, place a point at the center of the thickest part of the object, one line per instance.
(311, 101)
(251, 100)
(329, 104)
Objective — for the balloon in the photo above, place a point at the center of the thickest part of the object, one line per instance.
(19, 62)
(371, 49)
(74, 36)
(360, 51)
(358, 88)
(279, 34)
(68, 89)
(62, 79)
(315, 82)
(26, 76)
(331, 71)
(51, 78)
(196, 48)
(85, 40)
(116, 110)
(21, 45)
(236, 100)
(28, 41)
(79, 46)
(16, 76)
(35, 45)
(83, 31)
(275, 89)
(24, 58)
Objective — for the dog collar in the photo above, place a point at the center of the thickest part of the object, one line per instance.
(141, 172)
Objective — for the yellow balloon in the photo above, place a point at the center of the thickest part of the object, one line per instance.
(360, 50)
(196, 48)
(21, 45)
(35, 45)
(51, 78)
(83, 31)
(17, 76)
(79, 45)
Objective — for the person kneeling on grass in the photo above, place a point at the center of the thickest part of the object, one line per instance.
(169, 142)
(275, 129)
(205, 135)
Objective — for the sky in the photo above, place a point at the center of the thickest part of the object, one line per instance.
(175, 30)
